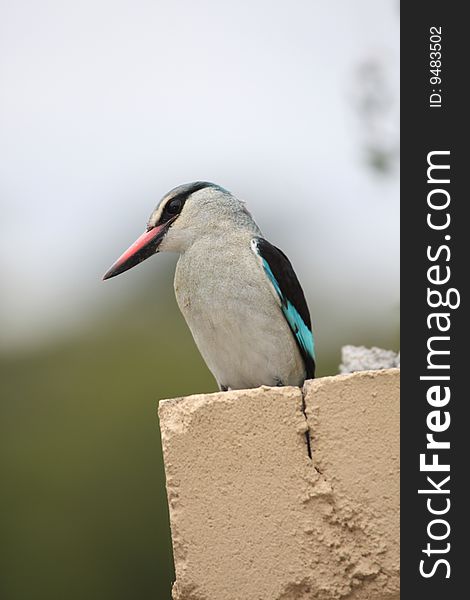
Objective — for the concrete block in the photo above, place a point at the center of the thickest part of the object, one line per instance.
(254, 518)
(360, 358)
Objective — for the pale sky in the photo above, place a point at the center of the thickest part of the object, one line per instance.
(105, 105)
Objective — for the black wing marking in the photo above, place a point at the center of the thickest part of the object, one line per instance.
(293, 304)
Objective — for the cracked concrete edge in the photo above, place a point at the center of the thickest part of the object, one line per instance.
(354, 420)
(251, 518)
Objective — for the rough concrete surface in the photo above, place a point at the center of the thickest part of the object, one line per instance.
(253, 518)
(360, 358)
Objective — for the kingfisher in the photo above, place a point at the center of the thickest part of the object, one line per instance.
(237, 292)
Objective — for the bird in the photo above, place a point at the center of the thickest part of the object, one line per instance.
(238, 293)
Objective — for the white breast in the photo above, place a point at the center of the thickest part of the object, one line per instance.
(233, 315)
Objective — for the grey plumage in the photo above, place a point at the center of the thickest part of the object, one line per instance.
(232, 308)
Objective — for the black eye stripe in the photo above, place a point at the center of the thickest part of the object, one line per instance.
(175, 205)
(172, 209)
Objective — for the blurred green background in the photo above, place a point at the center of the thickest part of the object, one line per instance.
(105, 106)
(84, 511)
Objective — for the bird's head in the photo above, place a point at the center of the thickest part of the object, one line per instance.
(183, 215)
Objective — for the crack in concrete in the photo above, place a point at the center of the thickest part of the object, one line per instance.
(337, 527)
(307, 433)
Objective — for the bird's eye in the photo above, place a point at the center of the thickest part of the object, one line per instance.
(173, 207)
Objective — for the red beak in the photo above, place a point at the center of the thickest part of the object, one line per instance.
(144, 247)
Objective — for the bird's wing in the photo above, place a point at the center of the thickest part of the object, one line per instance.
(287, 290)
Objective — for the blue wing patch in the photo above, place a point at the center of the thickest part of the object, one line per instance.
(300, 330)
(280, 273)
